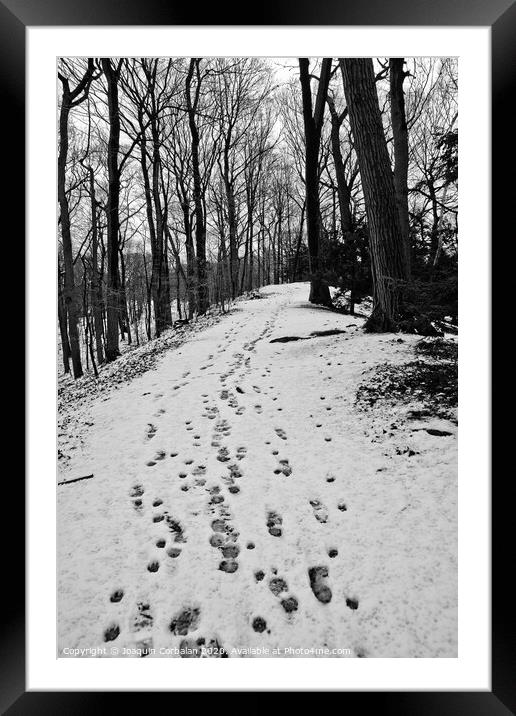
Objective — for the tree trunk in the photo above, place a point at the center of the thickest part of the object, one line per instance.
(250, 258)
(113, 220)
(400, 140)
(434, 233)
(65, 345)
(233, 251)
(319, 291)
(298, 243)
(200, 223)
(386, 239)
(69, 293)
(162, 310)
(190, 261)
(95, 281)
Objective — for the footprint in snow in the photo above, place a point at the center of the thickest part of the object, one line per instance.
(274, 522)
(290, 604)
(223, 455)
(112, 632)
(317, 577)
(320, 511)
(200, 648)
(234, 472)
(176, 529)
(277, 585)
(241, 452)
(259, 624)
(187, 620)
(142, 618)
(151, 431)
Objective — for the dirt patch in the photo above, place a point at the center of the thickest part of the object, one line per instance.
(431, 381)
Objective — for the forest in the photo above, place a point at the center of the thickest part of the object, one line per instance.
(184, 183)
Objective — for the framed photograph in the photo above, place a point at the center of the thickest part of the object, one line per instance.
(258, 248)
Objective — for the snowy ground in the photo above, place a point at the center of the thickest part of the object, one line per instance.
(240, 500)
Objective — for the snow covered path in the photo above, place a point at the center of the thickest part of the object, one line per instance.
(239, 501)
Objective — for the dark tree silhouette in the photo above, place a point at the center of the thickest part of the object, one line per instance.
(71, 98)
(401, 153)
(313, 120)
(113, 220)
(386, 238)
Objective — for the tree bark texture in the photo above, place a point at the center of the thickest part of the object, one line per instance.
(386, 239)
(312, 121)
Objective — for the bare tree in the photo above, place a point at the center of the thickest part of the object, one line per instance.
(112, 73)
(313, 120)
(192, 103)
(386, 239)
(397, 75)
(71, 98)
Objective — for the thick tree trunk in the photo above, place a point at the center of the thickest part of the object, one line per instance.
(162, 310)
(400, 140)
(386, 239)
(113, 220)
(319, 291)
(200, 223)
(69, 292)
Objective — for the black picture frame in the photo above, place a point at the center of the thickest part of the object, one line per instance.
(500, 15)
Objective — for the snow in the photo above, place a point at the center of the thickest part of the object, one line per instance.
(333, 479)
